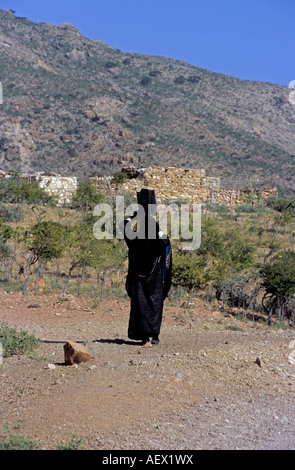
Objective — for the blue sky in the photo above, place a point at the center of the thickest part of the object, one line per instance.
(250, 40)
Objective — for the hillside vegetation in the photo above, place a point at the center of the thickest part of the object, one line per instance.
(77, 106)
(245, 261)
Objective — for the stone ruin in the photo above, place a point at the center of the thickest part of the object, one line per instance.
(170, 184)
(63, 187)
(178, 184)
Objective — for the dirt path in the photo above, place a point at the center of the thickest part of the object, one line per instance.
(213, 382)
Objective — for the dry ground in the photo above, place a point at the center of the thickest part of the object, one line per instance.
(213, 382)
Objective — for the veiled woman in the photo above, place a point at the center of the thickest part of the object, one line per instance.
(149, 271)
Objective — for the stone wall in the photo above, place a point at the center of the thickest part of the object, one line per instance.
(64, 187)
(170, 184)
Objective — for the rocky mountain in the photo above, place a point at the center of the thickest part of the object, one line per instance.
(73, 105)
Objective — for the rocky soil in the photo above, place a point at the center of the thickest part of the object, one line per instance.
(213, 382)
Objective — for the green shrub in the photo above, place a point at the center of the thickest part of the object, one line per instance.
(16, 342)
(86, 196)
(215, 207)
(75, 443)
(278, 281)
(179, 80)
(235, 252)
(5, 251)
(145, 81)
(110, 64)
(119, 178)
(240, 290)
(280, 205)
(19, 443)
(176, 202)
(249, 209)
(11, 213)
(48, 239)
(279, 276)
(15, 189)
(6, 232)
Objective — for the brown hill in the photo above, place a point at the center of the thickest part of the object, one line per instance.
(75, 105)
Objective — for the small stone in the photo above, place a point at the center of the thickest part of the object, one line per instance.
(51, 366)
(258, 362)
(75, 353)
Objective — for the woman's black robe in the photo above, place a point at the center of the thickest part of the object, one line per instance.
(148, 283)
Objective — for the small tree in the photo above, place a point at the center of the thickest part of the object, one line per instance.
(145, 81)
(87, 197)
(118, 178)
(239, 290)
(16, 189)
(47, 241)
(87, 252)
(195, 271)
(218, 255)
(278, 280)
(228, 247)
(6, 232)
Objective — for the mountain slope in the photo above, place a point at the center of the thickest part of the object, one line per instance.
(77, 106)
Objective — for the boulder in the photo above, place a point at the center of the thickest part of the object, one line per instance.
(75, 353)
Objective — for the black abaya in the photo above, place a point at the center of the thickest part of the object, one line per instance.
(148, 283)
